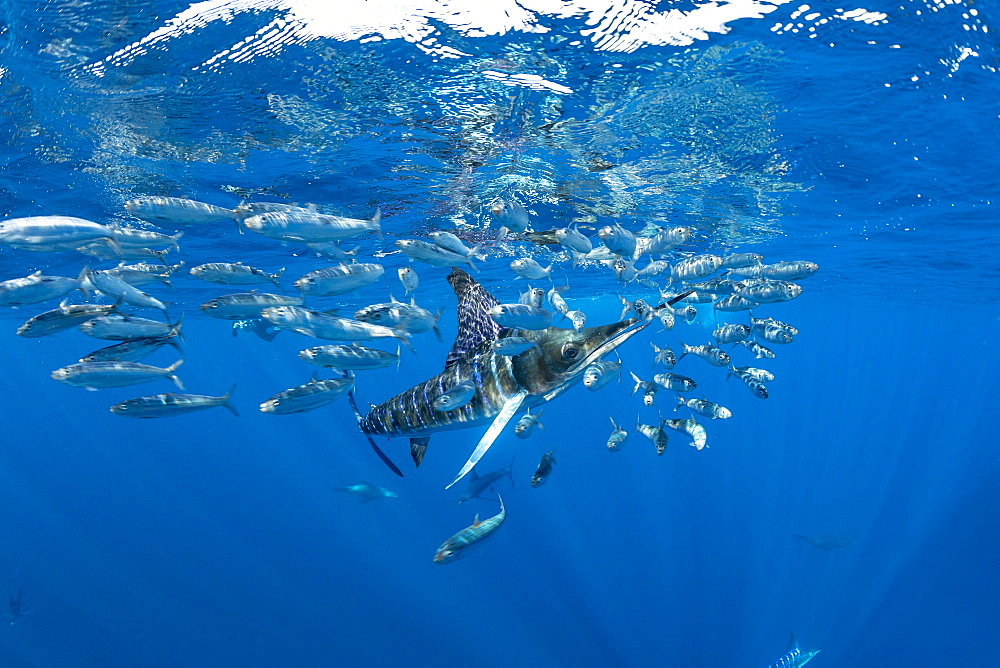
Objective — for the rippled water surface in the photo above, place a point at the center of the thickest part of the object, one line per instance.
(861, 137)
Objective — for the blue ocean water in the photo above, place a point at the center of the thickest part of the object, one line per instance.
(860, 137)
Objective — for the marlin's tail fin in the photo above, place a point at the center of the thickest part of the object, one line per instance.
(378, 451)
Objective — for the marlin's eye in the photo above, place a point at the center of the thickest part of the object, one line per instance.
(570, 351)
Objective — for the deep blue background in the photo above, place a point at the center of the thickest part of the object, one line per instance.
(215, 540)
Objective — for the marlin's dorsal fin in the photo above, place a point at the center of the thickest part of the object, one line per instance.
(474, 323)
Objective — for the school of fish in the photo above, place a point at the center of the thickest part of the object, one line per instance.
(509, 338)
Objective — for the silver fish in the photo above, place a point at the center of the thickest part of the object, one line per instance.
(699, 437)
(123, 327)
(572, 239)
(333, 251)
(753, 384)
(705, 408)
(793, 656)
(177, 211)
(665, 240)
(247, 209)
(578, 318)
(616, 441)
(655, 434)
(171, 404)
(511, 214)
(431, 254)
(245, 305)
(733, 303)
(791, 271)
(330, 327)
(311, 227)
(664, 356)
(354, 358)
(544, 469)
(133, 237)
(134, 350)
(234, 273)
(339, 280)
(532, 297)
(49, 234)
(708, 352)
(109, 284)
(412, 318)
(687, 312)
(100, 375)
(143, 273)
(454, 397)
(618, 240)
(731, 333)
(667, 317)
(695, 267)
(737, 260)
(35, 288)
(770, 291)
(408, 278)
(761, 375)
(775, 334)
(760, 351)
(450, 242)
(459, 545)
(62, 318)
(527, 423)
(307, 397)
(105, 252)
(674, 382)
(599, 374)
(654, 268)
(528, 268)
(623, 270)
(649, 389)
(520, 316)
(760, 324)
(556, 300)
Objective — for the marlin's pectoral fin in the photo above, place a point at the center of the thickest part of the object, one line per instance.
(499, 422)
(418, 446)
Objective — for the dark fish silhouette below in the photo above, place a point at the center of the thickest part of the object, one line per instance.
(823, 541)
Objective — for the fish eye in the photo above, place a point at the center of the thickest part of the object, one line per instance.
(570, 351)
(212, 304)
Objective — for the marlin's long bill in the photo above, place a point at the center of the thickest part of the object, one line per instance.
(501, 420)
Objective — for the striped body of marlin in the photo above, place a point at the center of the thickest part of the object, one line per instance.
(458, 545)
(505, 385)
(793, 656)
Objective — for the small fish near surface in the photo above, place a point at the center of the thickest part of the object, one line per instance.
(307, 397)
(705, 408)
(793, 656)
(408, 279)
(544, 470)
(367, 492)
(36, 288)
(177, 211)
(133, 350)
(510, 214)
(101, 375)
(431, 254)
(172, 404)
(414, 319)
(123, 327)
(50, 234)
(521, 316)
(462, 542)
(708, 352)
(527, 268)
(330, 327)
(513, 345)
(245, 305)
(310, 227)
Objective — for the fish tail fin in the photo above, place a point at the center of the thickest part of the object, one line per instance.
(175, 330)
(378, 451)
(638, 383)
(227, 403)
(376, 222)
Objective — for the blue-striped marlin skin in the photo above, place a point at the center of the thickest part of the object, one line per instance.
(793, 656)
(539, 374)
(458, 545)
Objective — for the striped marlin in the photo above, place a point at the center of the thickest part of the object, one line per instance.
(793, 656)
(505, 385)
